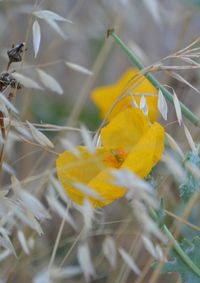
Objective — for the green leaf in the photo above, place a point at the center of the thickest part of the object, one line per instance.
(176, 264)
(191, 184)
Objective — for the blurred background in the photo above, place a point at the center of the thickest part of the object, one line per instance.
(153, 29)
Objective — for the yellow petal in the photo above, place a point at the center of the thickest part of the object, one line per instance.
(125, 130)
(106, 97)
(103, 185)
(147, 152)
(79, 169)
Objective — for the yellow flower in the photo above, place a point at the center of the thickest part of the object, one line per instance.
(129, 141)
(106, 97)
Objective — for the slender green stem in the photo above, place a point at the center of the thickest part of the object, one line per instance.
(176, 245)
(168, 95)
(181, 252)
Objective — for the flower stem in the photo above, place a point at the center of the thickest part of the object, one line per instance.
(181, 252)
(176, 245)
(168, 95)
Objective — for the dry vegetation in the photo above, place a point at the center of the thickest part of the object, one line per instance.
(53, 54)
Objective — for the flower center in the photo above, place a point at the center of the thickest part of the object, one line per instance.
(115, 157)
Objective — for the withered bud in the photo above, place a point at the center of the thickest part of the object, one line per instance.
(6, 80)
(14, 53)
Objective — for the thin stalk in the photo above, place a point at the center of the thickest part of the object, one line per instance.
(55, 248)
(168, 95)
(176, 245)
(181, 252)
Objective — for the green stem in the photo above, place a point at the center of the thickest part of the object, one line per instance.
(168, 95)
(181, 252)
(176, 245)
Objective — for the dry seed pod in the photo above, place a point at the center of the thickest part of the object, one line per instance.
(6, 80)
(14, 53)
